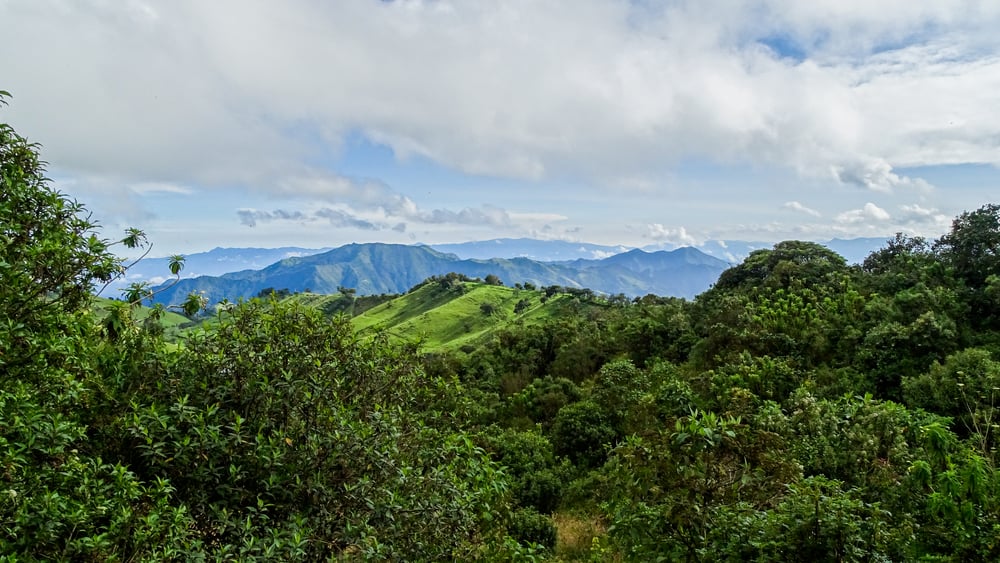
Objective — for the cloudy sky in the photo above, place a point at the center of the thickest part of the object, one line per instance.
(318, 123)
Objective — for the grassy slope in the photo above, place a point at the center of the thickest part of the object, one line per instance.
(439, 319)
(317, 300)
(446, 320)
(170, 321)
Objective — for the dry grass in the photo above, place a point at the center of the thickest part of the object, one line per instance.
(575, 535)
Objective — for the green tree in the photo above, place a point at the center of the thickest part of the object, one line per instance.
(817, 520)
(59, 499)
(618, 387)
(915, 313)
(972, 246)
(521, 306)
(798, 301)
(583, 433)
(281, 430)
(966, 387)
(671, 489)
(536, 474)
(972, 249)
(788, 265)
(656, 328)
(542, 399)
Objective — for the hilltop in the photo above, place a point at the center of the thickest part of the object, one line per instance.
(446, 316)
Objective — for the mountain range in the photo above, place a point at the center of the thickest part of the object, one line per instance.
(215, 262)
(662, 269)
(375, 268)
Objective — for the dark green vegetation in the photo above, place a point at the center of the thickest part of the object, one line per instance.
(394, 268)
(801, 409)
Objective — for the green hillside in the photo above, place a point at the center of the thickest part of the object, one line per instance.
(321, 301)
(173, 323)
(446, 319)
(335, 303)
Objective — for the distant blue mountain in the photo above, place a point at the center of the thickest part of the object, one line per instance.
(215, 262)
(392, 268)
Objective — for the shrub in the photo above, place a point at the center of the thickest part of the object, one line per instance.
(528, 526)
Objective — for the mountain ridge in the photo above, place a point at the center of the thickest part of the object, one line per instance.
(374, 268)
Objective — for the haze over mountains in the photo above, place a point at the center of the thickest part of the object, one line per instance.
(215, 262)
(542, 250)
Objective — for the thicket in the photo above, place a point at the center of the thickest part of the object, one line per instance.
(801, 409)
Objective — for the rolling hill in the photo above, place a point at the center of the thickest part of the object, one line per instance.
(444, 319)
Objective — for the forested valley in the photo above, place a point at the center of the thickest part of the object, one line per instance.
(802, 409)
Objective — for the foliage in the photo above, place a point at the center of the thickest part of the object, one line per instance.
(582, 432)
(617, 387)
(789, 265)
(670, 489)
(541, 401)
(281, 424)
(816, 520)
(528, 526)
(535, 474)
(59, 500)
(972, 247)
(965, 387)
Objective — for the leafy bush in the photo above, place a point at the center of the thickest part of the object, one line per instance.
(583, 433)
(281, 424)
(59, 500)
(536, 476)
(528, 526)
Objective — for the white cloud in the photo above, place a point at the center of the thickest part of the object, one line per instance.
(153, 98)
(601, 254)
(539, 217)
(339, 218)
(677, 236)
(923, 218)
(238, 92)
(875, 174)
(868, 214)
(392, 213)
(796, 206)
(160, 187)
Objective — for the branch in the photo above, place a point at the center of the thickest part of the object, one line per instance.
(125, 269)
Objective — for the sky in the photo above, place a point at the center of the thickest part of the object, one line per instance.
(313, 123)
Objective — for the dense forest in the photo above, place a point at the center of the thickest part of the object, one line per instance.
(801, 409)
